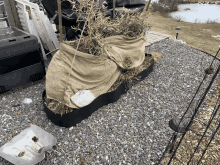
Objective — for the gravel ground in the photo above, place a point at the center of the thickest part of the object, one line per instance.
(133, 130)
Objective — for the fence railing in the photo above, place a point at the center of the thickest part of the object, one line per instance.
(197, 131)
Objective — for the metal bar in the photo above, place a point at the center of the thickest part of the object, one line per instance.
(113, 9)
(195, 94)
(192, 99)
(204, 95)
(215, 56)
(185, 113)
(187, 109)
(210, 120)
(213, 135)
(166, 149)
(173, 142)
(148, 5)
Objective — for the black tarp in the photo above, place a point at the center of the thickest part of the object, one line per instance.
(66, 9)
(126, 3)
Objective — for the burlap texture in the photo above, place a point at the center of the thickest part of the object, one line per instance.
(89, 72)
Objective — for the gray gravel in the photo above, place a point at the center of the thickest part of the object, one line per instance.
(133, 130)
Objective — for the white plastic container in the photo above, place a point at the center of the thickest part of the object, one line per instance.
(36, 22)
(41, 26)
(4, 25)
(28, 147)
(28, 23)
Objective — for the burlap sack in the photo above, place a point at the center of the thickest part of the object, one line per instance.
(89, 72)
(126, 52)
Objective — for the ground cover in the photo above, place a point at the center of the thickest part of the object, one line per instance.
(180, 35)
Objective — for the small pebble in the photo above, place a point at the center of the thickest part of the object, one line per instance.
(27, 101)
(181, 68)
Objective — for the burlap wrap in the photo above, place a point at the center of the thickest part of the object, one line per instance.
(89, 72)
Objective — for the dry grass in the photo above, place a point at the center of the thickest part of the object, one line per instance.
(97, 26)
(191, 33)
(127, 75)
(127, 23)
(157, 56)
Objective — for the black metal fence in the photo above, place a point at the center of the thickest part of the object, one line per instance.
(196, 137)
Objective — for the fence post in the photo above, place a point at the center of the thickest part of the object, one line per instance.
(60, 20)
(148, 5)
(113, 9)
